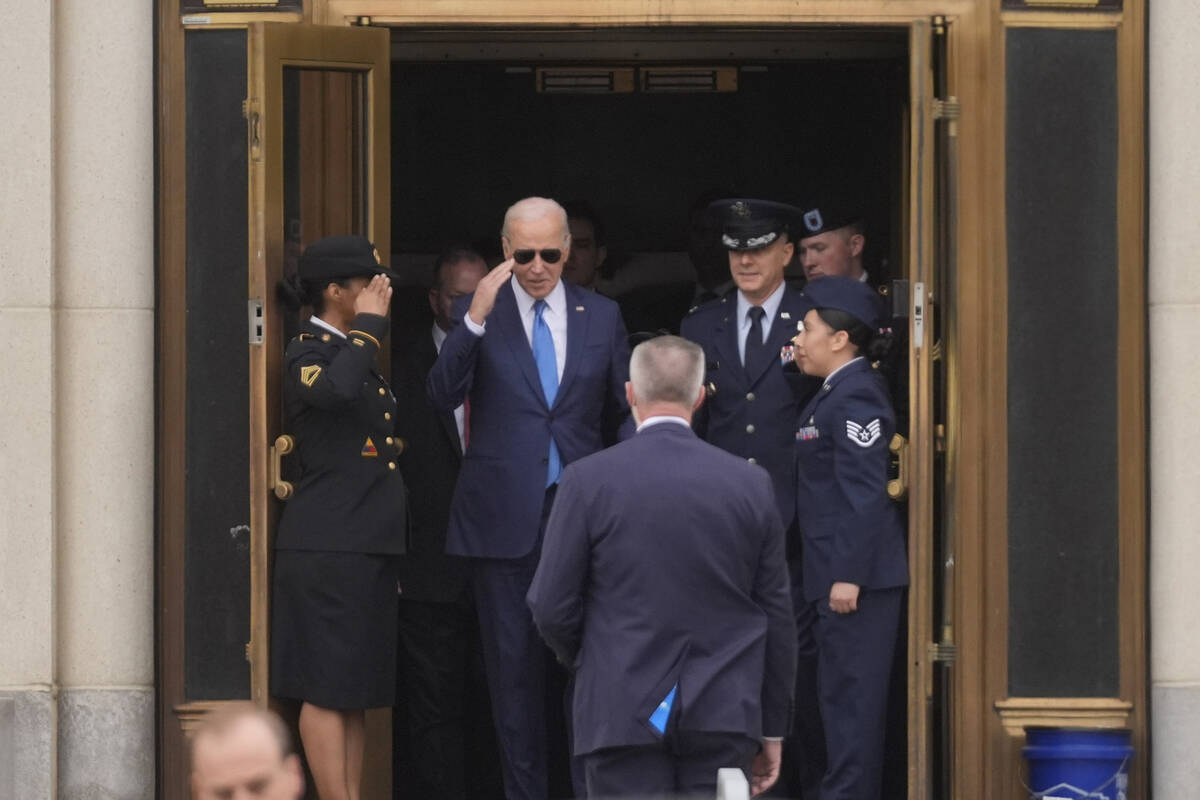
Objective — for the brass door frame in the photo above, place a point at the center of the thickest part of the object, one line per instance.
(271, 48)
(986, 753)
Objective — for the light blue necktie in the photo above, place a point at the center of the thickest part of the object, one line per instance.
(547, 367)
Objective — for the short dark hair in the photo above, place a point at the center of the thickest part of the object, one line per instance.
(452, 255)
(582, 209)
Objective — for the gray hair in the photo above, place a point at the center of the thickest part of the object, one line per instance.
(532, 208)
(667, 369)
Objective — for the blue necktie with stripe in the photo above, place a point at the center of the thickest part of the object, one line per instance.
(547, 367)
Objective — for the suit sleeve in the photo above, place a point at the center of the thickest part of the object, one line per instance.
(326, 382)
(773, 594)
(555, 595)
(617, 420)
(454, 371)
(860, 474)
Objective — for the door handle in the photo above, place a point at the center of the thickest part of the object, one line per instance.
(897, 487)
(284, 444)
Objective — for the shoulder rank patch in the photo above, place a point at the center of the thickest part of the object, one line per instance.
(368, 449)
(309, 374)
(863, 435)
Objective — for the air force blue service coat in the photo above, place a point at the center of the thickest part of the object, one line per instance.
(752, 416)
(501, 487)
(350, 496)
(851, 530)
(663, 565)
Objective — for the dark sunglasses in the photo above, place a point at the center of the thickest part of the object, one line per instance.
(549, 256)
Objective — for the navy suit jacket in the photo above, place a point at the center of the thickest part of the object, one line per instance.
(501, 487)
(766, 403)
(664, 565)
(851, 530)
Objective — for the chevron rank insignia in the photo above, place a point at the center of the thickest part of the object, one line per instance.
(368, 449)
(863, 435)
(309, 375)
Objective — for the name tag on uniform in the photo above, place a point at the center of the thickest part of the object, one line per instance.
(808, 433)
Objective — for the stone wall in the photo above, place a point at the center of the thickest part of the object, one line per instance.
(77, 432)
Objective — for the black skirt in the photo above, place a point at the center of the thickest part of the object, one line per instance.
(333, 629)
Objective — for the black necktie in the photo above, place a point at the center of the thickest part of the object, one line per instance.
(756, 350)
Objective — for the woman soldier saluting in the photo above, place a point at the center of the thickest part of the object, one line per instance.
(852, 533)
(334, 596)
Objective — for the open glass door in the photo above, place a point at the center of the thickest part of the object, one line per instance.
(924, 457)
(318, 120)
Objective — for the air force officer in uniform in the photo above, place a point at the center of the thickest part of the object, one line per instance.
(663, 585)
(541, 366)
(752, 409)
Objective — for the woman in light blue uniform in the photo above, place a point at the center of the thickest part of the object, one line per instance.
(852, 533)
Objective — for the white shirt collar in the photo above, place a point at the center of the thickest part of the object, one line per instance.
(770, 306)
(439, 336)
(829, 377)
(661, 418)
(556, 301)
(320, 323)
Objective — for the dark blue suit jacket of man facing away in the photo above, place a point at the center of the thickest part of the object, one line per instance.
(663, 565)
(501, 487)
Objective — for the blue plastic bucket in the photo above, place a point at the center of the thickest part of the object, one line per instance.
(1076, 763)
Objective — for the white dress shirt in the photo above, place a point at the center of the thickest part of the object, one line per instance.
(320, 323)
(439, 336)
(770, 307)
(555, 317)
(661, 418)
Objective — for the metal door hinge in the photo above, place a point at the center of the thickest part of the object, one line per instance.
(943, 652)
(248, 650)
(254, 314)
(948, 109)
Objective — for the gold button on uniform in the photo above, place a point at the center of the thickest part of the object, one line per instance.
(387, 415)
(750, 397)
(749, 429)
(381, 390)
(390, 440)
(391, 465)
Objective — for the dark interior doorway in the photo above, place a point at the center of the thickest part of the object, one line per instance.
(814, 114)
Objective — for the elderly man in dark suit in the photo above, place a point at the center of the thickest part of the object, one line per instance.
(541, 365)
(442, 739)
(663, 584)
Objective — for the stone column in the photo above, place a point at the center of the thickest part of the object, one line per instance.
(1174, 293)
(104, 373)
(76, 439)
(27, 429)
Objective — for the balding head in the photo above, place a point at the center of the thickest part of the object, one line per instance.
(666, 375)
(244, 751)
(536, 237)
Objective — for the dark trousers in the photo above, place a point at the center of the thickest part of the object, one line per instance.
(526, 684)
(854, 664)
(444, 746)
(684, 764)
(804, 748)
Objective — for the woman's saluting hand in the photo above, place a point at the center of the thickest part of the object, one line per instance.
(375, 298)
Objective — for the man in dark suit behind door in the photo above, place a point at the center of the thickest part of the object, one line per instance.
(663, 584)
(442, 738)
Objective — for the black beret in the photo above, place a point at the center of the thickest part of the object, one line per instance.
(337, 257)
(748, 224)
(855, 297)
(824, 217)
